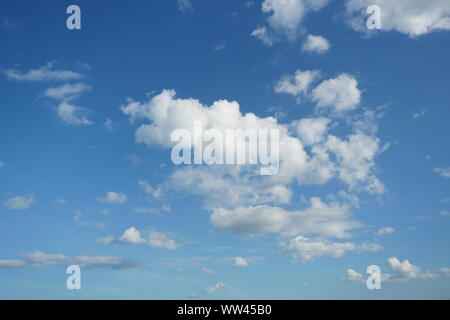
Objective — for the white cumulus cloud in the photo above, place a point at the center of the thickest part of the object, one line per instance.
(411, 17)
(240, 262)
(43, 73)
(316, 44)
(340, 93)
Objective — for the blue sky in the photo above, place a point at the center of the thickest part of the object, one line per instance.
(364, 162)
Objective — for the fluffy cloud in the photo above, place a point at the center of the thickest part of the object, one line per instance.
(297, 84)
(215, 287)
(409, 271)
(240, 262)
(285, 16)
(2, 164)
(167, 113)
(20, 202)
(66, 92)
(321, 219)
(340, 93)
(316, 44)
(237, 196)
(312, 130)
(411, 17)
(386, 230)
(43, 73)
(132, 235)
(39, 259)
(307, 249)
(404, 271)
(74, 115)
(113, 197)
(354, 276)
(444, 172)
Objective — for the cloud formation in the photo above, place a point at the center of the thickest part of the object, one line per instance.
(44, 73)
(412, 17)
(316, 44)
(20, 202)
(41, 259)
(285, 16)
(153, 239)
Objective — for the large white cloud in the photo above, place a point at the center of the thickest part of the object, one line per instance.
(403, 271)
(312, 130)
(237, 196)
(338, 94)
(240, 262)
(67, 91)
(355, 156)
(411, 17)
(409, 271)
(297, 84)
(153, 239)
